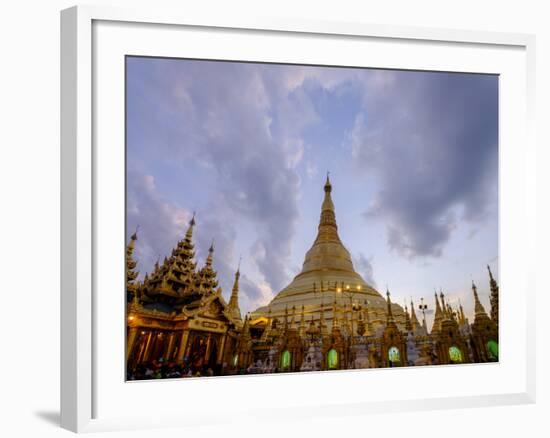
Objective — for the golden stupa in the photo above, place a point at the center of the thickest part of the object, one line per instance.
(328, 284)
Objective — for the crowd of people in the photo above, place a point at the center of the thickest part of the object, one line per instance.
(167, 370)
(159, 369)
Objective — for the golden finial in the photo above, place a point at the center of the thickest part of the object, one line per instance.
(134, 236)
(328, 186)
(189, 233)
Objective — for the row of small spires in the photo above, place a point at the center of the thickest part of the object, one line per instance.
(443, 310)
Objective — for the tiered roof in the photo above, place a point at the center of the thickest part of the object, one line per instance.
(176, 276)
(206, 279)
(176, 284)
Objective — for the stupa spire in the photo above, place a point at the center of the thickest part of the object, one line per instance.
(438, 316)
(328, 252)
(462, 318)
(408, 324)
(389, 314)
(189, 233)
(234, 300)
(479, 310)
(414, 320)
(328, 230)
(444, 305)
(206, 278)
(210, 254)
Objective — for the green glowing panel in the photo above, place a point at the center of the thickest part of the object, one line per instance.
(393, 355)
(285, 360)
(332, 359)
(492, 349)
(455, 354)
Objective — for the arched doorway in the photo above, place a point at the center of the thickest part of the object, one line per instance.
(285, 360)
(332, 359)
(455, 355)
(394, 356)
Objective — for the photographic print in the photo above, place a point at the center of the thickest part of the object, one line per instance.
(293, 218)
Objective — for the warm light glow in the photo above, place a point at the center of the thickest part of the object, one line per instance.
(130, 318)
(347, 286)
(338, 290)
(358, 287)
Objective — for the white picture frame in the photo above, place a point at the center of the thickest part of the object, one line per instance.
(83, 393)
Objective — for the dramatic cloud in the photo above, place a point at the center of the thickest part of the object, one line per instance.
(431, 141)
(241, 123)
(161, 223)
(363, 265)
(246, 147)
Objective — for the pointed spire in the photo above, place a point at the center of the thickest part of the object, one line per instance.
(447, 312)
(210, 254)
(414, 320)
(206, 279)
(133, 238)
(479, 310)
(327, 229)
(494, 296)
(389, 314)
(461, 316)
(438, 317)
(246, 328)
(408, 324)
(189, 233)
(328, 186)
(234, 300)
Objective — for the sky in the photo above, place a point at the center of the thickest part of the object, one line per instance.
(413, 161)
